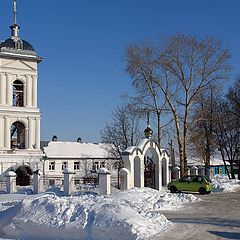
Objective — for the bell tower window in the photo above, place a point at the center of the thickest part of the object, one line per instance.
(18, 93)
(17, 135)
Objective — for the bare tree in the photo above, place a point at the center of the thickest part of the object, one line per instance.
(202, 141)
(234, 97)
(148, 98)
(180, 68)
(123, 131)
(227, 133)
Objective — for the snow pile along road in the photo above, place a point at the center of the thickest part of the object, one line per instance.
(123, 215)
(221, 183)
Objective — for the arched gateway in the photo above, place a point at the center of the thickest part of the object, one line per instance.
(23, 175)
(148, 165)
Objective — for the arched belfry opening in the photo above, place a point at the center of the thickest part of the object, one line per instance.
(18, 94)
(23, 175)
(18, 135)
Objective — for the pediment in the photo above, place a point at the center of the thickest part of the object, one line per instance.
(19, 64)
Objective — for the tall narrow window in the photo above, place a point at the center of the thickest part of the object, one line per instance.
(52, 166)
(18, 94)
(64, 165)
(96, 165)
(18, 135)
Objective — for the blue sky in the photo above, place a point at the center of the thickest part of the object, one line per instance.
(82, 43)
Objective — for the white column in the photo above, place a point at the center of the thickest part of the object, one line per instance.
(104, 181)
(3, 89)
(9, 90)
(29, 91)
(11, 181)
(165, 171)
(26, 137)
(30, 133)
(37, 181)
(1, 132)
(158, 175)
(176, 172)
(68, 182)
(124, 179)
(24, 94)
(37, 133)
(193, 170)
(34, 91)
(201, 170)
(138, 172)
(7, 133)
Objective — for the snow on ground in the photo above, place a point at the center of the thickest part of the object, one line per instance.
(221, 183)
(132, 214)
(123, 215)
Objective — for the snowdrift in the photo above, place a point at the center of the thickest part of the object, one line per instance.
(221, 183)
(131, 214)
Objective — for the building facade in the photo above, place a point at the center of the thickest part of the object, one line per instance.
(84, 159)
(19, 112)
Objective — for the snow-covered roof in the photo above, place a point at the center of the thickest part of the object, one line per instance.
(56, 149)
(214, 161)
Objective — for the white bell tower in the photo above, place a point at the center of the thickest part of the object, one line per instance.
(19, 112)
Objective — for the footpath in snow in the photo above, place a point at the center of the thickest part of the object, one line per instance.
(131, 214)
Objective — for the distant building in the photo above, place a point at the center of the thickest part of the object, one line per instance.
(82, 158)
(216, 165)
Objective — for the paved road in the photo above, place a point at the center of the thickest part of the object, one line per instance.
(217, 216)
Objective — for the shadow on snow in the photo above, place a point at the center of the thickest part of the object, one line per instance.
(227, 235)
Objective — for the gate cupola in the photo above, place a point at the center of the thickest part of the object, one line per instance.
(148, 132)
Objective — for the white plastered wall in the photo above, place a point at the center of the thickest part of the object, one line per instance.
(26, 71)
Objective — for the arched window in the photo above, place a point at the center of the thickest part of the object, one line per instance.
(17, 135)
(18, 94)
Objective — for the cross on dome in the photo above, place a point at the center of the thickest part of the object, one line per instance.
(15, 12)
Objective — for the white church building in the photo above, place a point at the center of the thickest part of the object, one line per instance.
(22, 151)
(20, 148)
(19, 112)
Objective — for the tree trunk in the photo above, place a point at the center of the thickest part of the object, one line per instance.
(223, 158)
(159, 129)
(238, 169)
(181, 158)
(232, 169)
(179, 139)
(185, 134)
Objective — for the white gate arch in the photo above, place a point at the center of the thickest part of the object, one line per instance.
(133, 160)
